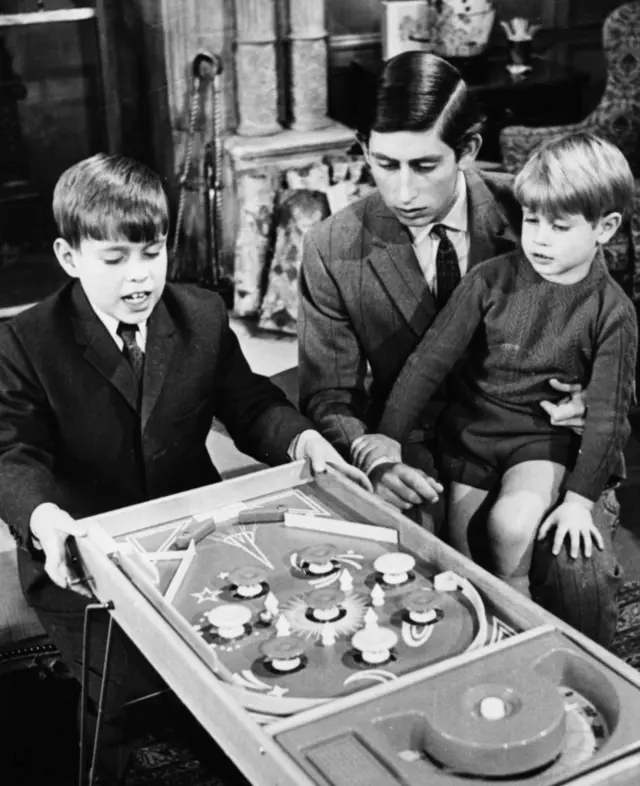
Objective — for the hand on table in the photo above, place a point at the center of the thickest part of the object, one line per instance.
(404, 486)
(570, 411)
(321, 454)
(51, 527)
(574, 520)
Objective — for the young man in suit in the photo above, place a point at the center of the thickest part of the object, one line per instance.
(373, 278)
(107, 393)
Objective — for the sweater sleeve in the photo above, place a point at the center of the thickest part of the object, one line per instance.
(609, 397)
(436, 354)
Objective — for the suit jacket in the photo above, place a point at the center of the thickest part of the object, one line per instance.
(73, 432)
(365, 303)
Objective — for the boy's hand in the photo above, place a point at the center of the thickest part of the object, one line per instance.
(570, 411)
(51, 527)
(575, 520)
(404, 486)
(321, 454)
(371, 449)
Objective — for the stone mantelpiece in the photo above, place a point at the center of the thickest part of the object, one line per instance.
(289, 147)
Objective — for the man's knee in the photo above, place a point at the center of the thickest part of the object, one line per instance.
(582, 591)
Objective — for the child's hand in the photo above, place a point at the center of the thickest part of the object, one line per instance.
(570, 411)
(575, 520)
(370, 449)
(51, 527)
(321, 454)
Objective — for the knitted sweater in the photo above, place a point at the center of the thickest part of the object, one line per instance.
(519, 331)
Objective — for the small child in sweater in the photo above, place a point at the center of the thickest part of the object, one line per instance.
(551, 310)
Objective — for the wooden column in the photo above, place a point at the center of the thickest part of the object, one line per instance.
(308, 47)
(256, 67)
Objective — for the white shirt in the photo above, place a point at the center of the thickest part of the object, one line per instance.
(426, 245)
(111, 324)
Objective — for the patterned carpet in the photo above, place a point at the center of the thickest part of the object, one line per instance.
(37, 726)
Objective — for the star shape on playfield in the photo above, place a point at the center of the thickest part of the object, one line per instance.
(207, 595)
(278, 691)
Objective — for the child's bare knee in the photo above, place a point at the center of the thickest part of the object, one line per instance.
(513, 520)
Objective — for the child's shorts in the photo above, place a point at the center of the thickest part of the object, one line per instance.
(478, 445)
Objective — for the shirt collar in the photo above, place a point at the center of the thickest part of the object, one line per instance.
(455, 219)
(111, 324)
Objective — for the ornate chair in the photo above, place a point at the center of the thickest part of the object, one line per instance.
(616, 118)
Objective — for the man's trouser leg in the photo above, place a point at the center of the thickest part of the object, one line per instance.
(581, 591)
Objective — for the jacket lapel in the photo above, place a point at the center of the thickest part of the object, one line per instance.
(490, 232)
(100, 349)
(159, 349)
(394, 261)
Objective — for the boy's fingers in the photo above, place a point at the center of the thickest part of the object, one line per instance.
(565, 387)
(597, 537)
(353, 473)
(586, 538)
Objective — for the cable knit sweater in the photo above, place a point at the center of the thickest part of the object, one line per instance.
(519, 331)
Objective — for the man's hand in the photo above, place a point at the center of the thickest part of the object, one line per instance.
(574, 519)
(321, 454)
(51, 527)
(371, 449)
(404, 486)
(571, 410)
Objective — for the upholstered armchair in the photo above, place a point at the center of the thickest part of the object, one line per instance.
(616, 118)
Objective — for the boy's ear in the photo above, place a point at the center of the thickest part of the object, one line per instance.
(607, 227)
(66, 257)
(470, 150)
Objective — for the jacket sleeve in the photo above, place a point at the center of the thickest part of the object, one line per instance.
(27, 440)
(332, 364)
(256, 413)
(434, 357)
(609, 397)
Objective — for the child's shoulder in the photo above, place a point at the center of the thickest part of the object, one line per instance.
(498, 269)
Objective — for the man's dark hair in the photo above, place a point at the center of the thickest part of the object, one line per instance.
(417, 91)
(110, 197)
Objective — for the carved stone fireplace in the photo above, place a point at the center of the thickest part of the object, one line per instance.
(278, 139)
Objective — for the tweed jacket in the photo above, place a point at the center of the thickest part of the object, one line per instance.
(365, 303)
(73, 432)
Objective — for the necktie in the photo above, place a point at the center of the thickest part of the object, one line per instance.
(447, 266)
(132, 352)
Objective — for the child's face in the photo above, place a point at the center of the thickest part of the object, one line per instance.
(122, 279)
(562, 249)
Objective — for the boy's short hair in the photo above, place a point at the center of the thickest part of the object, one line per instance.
(577, 173)
(417, 91)
(110, 197)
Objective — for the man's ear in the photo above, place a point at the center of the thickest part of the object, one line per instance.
(470, 150)
(66, 257)
(363, 142)
(607, 226)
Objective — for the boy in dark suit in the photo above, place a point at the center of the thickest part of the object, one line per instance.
(373, 278)
(107, 393)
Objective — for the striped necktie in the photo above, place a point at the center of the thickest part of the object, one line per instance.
(132, 352)
(447, 266)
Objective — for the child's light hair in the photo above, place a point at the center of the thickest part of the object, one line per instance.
(576, 174)
(109, 197)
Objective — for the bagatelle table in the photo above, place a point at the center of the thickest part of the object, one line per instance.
(321, 637)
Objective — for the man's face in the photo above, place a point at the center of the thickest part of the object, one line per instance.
(562, 249)
(416, 173)
(122, 279)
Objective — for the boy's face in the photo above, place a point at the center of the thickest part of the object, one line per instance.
(416, 173)
(562, 249)
(122, 279)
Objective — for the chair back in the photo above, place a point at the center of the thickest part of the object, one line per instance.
(617, 116)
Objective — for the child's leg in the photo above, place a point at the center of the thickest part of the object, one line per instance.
(527, 493)
(464, 503)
